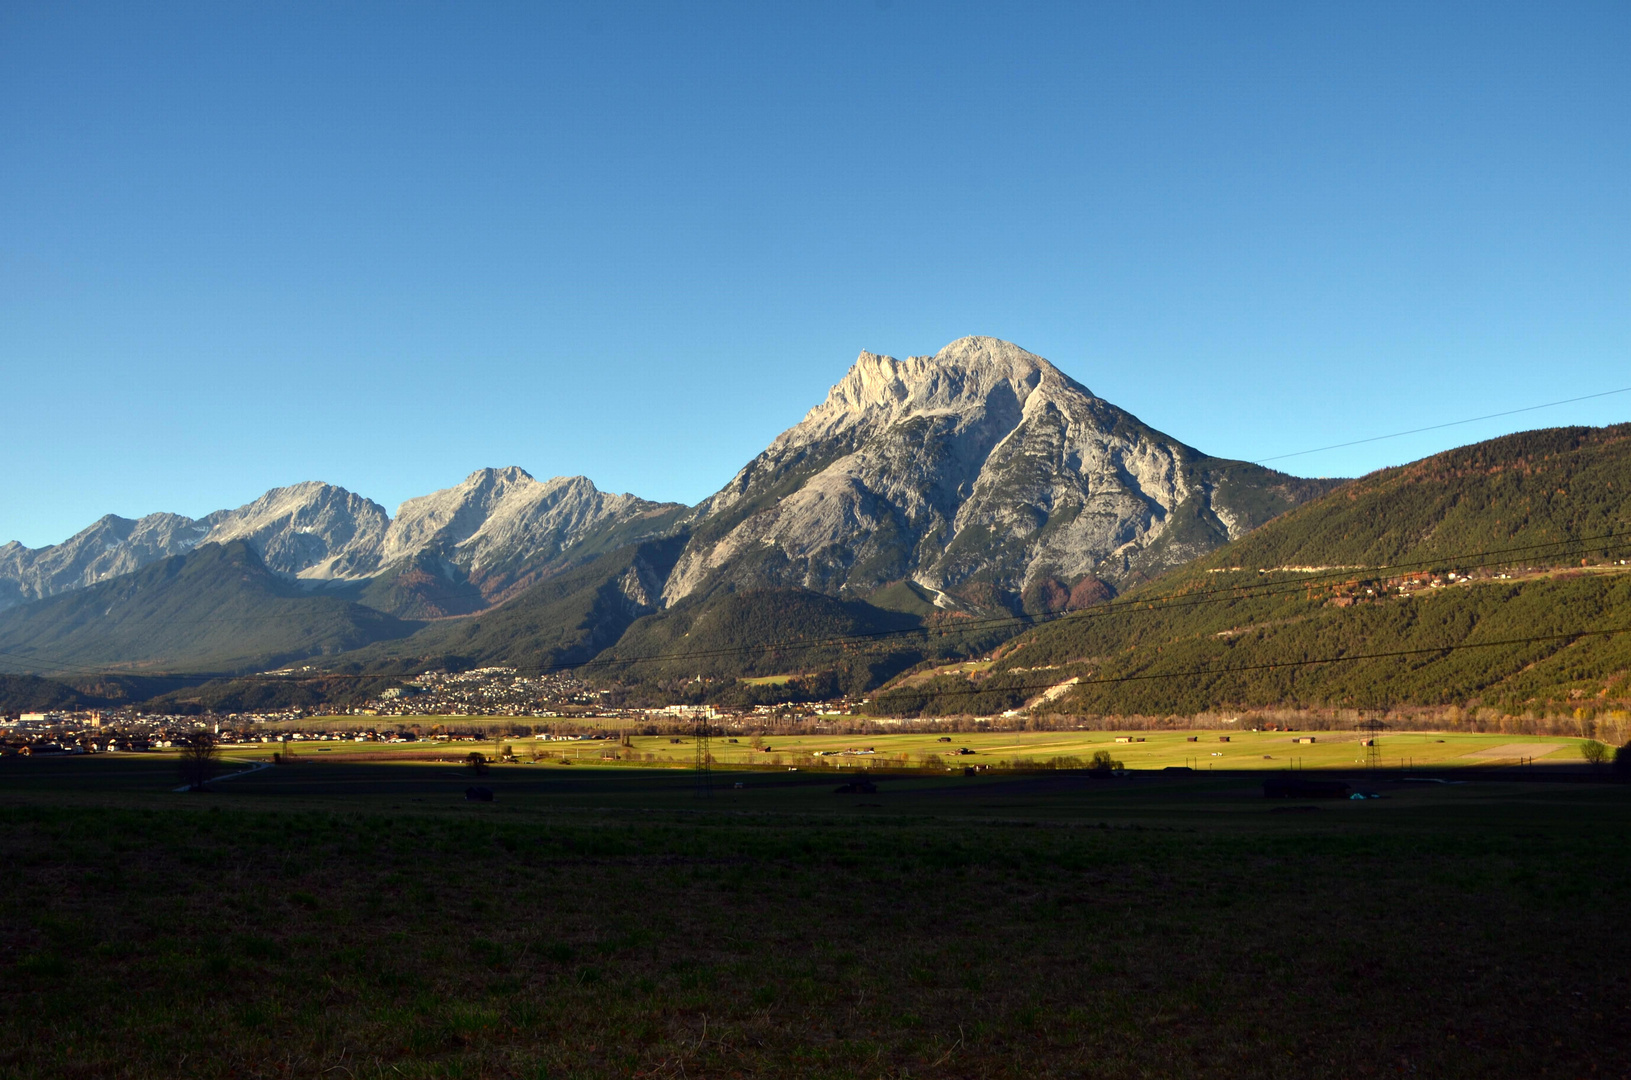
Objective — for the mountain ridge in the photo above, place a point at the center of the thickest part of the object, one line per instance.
(978, 470)
(1488, 563)
(216, 607)
(493, 533)
(980, 479)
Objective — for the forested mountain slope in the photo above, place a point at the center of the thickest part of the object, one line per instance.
(565, 619)
(1529, 488)
(849, 644)
(217, 607)
(1470, 562)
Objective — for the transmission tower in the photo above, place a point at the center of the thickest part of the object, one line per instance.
(1368, 736)
(705, 758)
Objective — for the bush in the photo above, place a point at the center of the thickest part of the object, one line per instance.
(1622, 764)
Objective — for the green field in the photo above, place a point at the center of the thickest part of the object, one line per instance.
(359, 918)
(1246, 750)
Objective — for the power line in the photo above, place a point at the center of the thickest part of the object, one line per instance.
(1439, 427)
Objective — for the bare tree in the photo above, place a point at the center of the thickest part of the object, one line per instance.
(198, 759)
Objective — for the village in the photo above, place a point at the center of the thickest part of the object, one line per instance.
(449, 706)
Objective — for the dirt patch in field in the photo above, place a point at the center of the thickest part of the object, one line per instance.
(1515, 750)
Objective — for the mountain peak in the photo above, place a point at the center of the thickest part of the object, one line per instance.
(978, 351)
(982, 468)
(311, 529)
(964, 373)
(512, 473)
(507, 476)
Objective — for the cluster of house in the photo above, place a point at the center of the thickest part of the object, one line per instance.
(90, 732)
(488, 691)
(500, 691)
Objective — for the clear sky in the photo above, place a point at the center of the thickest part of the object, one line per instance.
(383, 245)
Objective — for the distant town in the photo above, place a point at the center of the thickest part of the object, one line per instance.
(425, 707)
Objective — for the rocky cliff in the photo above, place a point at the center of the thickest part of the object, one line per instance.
(501, 529)
(108, 548)
(312, 530)
(983, 475)
(453, 551)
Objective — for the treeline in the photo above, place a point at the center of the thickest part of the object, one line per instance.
(1527, 488)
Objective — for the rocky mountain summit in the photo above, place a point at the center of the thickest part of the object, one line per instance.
(500, 530)
(499, 516)
(497, 529)
(981, 478)
(982, 475)
(312, 530)
(112, 546)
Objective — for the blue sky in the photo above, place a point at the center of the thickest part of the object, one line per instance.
(383, 245)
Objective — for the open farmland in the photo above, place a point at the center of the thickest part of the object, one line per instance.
(358, 917)
(1141, 750)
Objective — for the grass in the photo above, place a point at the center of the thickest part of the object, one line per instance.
(359, 919)
(1245, 750)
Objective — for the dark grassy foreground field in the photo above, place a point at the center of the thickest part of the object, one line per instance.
(363, 921)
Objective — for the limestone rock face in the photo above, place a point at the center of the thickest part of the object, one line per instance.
(973, 473)
(311, 530)
(501, 526)
(496, 531)
(981, 477)
(108, 548)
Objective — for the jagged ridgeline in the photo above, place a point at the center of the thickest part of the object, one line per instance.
(982, 476)
(1516, 538)
(321, 571)
(922, 497)
(977, 482)
(452, 552)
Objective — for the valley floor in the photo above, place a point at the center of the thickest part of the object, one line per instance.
(1209, 749)
(361, 919)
